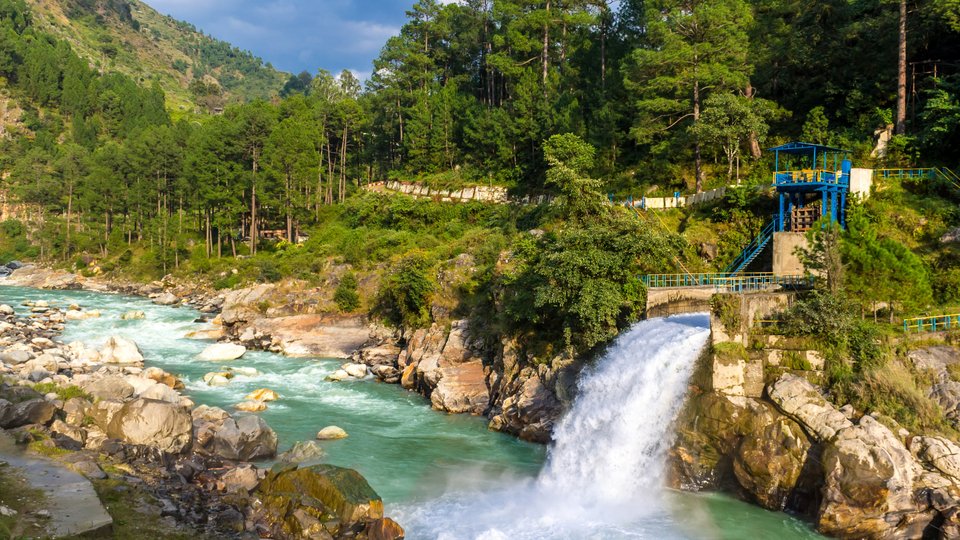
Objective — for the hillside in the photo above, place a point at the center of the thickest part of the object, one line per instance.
(197, 72)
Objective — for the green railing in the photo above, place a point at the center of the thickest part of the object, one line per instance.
(726, 282)
(935, 323)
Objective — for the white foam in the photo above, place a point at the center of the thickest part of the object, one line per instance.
(604, 476)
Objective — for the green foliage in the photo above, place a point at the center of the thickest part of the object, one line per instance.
(63, 392)
(404, 296)
(579, 285)
(346, 295)
(727, 309)
(569, 159)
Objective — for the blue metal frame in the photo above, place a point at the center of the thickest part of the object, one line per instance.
(936, 323)
(794, 185)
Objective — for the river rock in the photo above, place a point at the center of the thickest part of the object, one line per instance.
(462, 389)
(211, 334)
(331, 433)
(75, 433)
(222, 352)
(338, 375)
(15, 356)
(803, 402)
(251, 406)
(110, 387)
(303, 451)
(34, 411)
(158, 375)
(357, 371)
(245, 371)
(166, 299)
(161, 392)
(154, 423)
(221, 378)
(341, 492)
(120, 350)
(768, 462)
(75, 410)
(81, 315)
(6, 310)
(869, 482)
(246, 438)
(133, 316)
(940, 453)
(263, 394)
(529, 411)
(385, 529)
(241, 305)
(239, 479)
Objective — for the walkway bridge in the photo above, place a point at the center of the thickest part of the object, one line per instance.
(670, 294)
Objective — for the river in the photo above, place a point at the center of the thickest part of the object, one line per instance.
(446, 476)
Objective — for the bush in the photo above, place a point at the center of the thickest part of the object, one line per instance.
(404, 297)
(346, 295)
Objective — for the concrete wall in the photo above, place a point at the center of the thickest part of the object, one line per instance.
(785, 260)
(861, 180)
(489, 194)
(666, 302)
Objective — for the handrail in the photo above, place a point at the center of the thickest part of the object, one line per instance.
(725, 281)
(759, 241)
(810, 176)
(933, 323)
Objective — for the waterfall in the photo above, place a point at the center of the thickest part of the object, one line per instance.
(604, 475)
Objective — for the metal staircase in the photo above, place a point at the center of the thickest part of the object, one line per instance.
(752, 251)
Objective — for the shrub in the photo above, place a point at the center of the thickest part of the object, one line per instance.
(404, 297)
(346, 295)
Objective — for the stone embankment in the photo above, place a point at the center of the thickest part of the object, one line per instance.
(757, 424)
(110, 418)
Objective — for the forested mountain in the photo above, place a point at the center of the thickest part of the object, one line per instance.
(196, 71)
(662, 95)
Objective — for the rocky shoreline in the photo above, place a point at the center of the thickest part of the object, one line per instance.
(764, 431)
(458, 372)
(103, 414)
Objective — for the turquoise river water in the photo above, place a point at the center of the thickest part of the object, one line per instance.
(442, 476)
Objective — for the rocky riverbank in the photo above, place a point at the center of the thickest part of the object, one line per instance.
(128, 429)
(761, 428)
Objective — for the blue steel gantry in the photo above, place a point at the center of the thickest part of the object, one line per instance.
(805, 169)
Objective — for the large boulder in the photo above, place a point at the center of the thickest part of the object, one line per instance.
(246, 438)
(803, 402)
(462, 388)
(34, 411)
(111, 387)
(222, 352)
(344, 493)
(154, 423)
(869, 484)
(303, 451)
(331, 433)
(529, 409)
(768, 464)
(940, 453)
(120, 350)
(166, 299)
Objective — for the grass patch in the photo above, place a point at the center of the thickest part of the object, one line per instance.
(894, 391)
(136, 514)
(18, 495)
(728, 352)
(63, 392)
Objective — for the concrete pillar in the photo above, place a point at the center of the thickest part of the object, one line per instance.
(785, 260)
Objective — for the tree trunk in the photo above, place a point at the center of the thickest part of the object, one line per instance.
(698, 161)
(69, 215)
(901, 123)
(253, 206)
(545, 53)
(288, 209)
(755, 152)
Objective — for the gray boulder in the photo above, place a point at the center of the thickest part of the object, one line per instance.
(154, 423)
(303, 451)
(34, 411)
(112, 387)
(246, 438)
(803, 402)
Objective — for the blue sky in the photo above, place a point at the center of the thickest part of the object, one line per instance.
(297, 35)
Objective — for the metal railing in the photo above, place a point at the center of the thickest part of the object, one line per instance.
(727, 282)
(936, 323)
(750, 253)
(811, 176)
